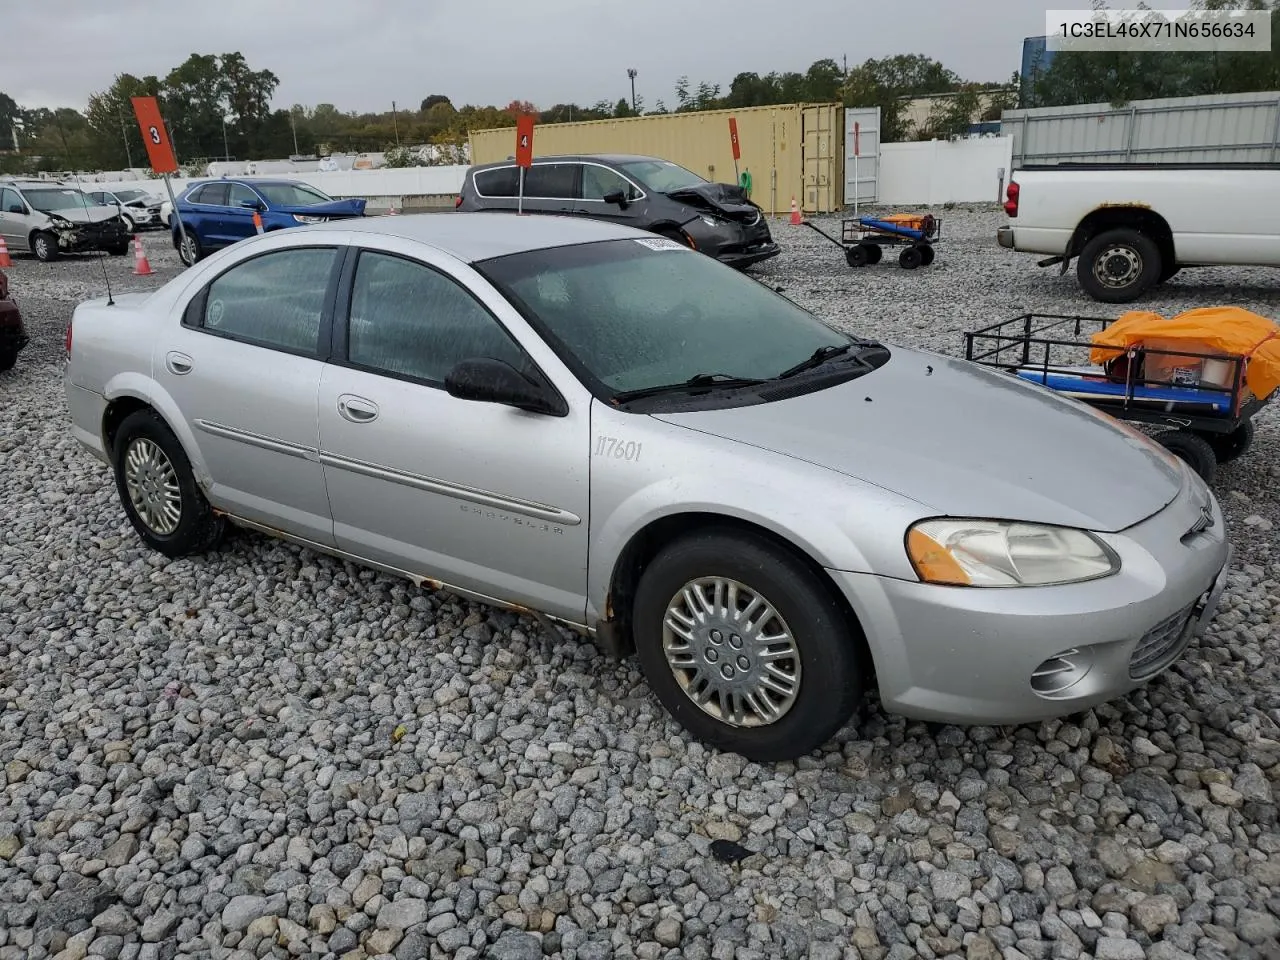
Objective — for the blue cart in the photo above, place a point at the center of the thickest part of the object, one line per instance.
(863, 238)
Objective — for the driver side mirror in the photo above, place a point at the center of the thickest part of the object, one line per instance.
(496, 381)
(619, 197)
(252, 204)
(16, 208)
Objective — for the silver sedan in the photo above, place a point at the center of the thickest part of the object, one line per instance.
(598, 424)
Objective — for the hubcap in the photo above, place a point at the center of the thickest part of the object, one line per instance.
(188, 252)
(731, 652)
(153, 486)
(1118, 266)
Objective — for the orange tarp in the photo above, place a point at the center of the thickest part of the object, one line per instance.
(1229, 330)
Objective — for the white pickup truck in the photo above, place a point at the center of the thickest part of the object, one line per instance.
(1131, 226)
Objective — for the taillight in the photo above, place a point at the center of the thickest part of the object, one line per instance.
(1011, 204)
(68, 340)
(457, 201)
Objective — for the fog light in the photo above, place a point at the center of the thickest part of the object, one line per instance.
(1054, 678)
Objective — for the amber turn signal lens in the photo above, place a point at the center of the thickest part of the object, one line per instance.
(933, 563)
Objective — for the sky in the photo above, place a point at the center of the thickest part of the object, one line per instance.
(363, 54)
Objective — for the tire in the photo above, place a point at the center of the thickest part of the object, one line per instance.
(926, 254)
(830, 662)
(45, 246)
(145, 436)
(1118, 266)
(1195, 450)
(118, 250)
(1226, 446)
(8, 357)
(1168, 273)
(192, 252)
(857, 256)
(910, 258)
(874, 253)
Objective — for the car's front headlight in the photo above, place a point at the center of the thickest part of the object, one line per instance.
(304, 218)
(1005, 553)
(709, 220)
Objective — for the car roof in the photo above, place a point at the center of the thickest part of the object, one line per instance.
(472, 237)
(614, 158)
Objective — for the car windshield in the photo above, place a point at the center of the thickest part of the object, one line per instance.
(291, 194)
(648, 312)
(49, 199)
(126, 196)
(660, 176)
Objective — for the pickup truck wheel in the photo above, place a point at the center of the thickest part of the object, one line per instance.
(1195, 450)
(158, 488)
(45, 246)
(1118, 266)
(744, 648)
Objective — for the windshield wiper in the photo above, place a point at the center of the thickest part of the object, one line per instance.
(817, 359)
(694, 382)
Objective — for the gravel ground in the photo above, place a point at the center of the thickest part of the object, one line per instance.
(271, 753)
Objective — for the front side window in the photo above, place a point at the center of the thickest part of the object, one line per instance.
(240, 194)
(598, 182)
(641, 313)
(276, 300)
(410, 320)
(292, 195)
(9, 200)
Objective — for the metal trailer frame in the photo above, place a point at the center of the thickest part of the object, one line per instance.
(1031, 340)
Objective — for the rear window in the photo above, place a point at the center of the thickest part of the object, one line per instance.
(500, 182)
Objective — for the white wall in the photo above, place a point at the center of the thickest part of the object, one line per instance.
(373, 184)
(941, 171)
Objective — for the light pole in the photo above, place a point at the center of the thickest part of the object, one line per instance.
(631, 72)
(226, 152)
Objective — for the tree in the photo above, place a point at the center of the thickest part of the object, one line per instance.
(433, 100)
(9, 113)
(516, 107)
(192, 98)
(822, 81)
(952, 114)
(117, 139)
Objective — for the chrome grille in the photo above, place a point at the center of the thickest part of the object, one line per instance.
(1160, 645)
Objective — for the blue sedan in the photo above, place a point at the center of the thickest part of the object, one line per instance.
(217, 213)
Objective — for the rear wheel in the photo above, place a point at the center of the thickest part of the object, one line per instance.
(926, 254)
(874, 253)
(857, 255)
(158, 488)
(1228, 446)
(745, 649)
(1194, 449)
(910, 258)
(189, 249)
(1118, 266)
(45, 246)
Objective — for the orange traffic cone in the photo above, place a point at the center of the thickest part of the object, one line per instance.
(257, 222)
(141, 266)
(795, 213)
(5, 259)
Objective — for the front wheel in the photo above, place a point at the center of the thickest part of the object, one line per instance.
(1118, 266)
(910, 258)
(745, 648)
(45, 247)
(857, 256)
(118, 249)
(158, 488)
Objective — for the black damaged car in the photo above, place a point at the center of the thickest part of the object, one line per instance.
(648, 193)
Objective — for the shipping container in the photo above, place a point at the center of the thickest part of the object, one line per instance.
(791, 150)
(1221, 128)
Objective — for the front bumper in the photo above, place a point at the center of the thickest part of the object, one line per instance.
(1004, 237)
(91, 236)
(733, 243)
(1024, 654)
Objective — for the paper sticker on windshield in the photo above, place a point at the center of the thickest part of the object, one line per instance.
(660, 243)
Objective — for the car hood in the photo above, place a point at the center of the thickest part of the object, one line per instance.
(723, 198)
(963, 440)
(338, 208)
(89, 215)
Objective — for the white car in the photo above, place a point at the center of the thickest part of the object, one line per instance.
(1135, 225)
(138, 209)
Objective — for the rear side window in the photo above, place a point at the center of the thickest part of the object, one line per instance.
(554, 181)
(500, 182)
(212, 193)
(276, 300)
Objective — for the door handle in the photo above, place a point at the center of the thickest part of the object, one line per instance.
(357, 409)
(177, 363)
